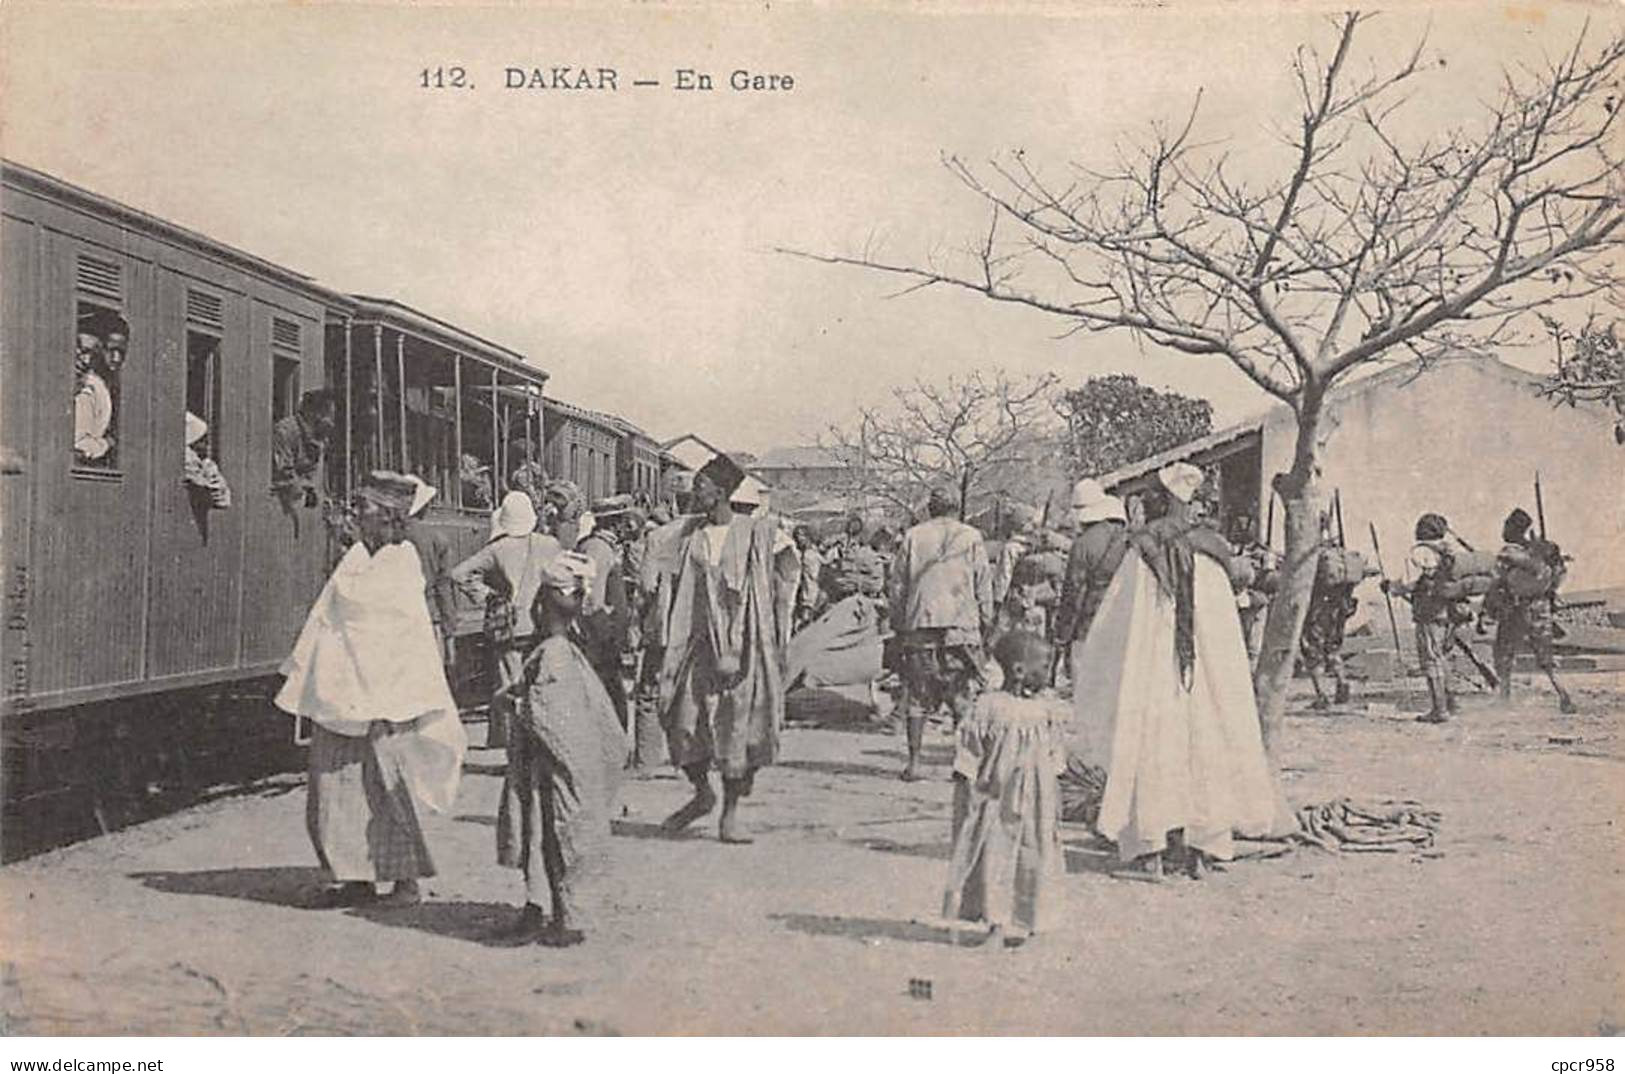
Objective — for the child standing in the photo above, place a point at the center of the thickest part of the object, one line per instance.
(564, 766)
(1007, 847)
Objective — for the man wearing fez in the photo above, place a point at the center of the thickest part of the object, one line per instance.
(721, 684)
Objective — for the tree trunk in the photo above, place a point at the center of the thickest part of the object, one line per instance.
(1299, 489)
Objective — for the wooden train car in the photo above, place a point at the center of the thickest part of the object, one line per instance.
(132, 604)
(116, 326)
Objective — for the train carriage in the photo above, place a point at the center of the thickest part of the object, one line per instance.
(143, 624)
(116, 326)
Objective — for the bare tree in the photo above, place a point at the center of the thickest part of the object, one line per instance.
(1368, 245)
(1588, 367)
(980, 434)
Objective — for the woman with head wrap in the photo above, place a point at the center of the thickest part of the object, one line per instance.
(1165, 668)
(505, 575)
(387, 737)
(565, 754)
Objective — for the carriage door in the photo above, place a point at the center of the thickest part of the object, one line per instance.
(197, 545)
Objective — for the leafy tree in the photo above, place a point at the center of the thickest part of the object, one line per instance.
(1588, 367)
(1115, 420)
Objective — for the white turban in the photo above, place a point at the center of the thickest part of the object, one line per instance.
(1182, 479)
(196, 428)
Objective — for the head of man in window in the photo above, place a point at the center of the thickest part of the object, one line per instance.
(115, 345)
(317, 412)
(103, 339)
(87, 352)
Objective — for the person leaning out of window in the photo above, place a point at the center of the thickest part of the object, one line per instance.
(201, 474)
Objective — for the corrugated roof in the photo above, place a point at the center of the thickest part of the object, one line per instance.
(1193, 447)
(400, 315)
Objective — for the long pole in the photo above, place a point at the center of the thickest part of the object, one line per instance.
(1393, 623)
(1540, 507)
(400, 393)
(378, 394)
(457, 390)
(349, 412)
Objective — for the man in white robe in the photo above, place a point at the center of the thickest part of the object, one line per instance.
(1166, 668)
(366, 671)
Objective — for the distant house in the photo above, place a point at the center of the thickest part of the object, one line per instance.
(806, 469)
(1463, 436)
(690, 452)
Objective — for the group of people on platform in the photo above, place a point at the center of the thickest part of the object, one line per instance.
(1150, 618)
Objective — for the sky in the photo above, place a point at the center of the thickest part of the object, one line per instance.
(625, 241)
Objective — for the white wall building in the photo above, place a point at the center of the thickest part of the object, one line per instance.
(1463, 436)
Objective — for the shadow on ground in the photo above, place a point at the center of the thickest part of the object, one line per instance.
(938, 850)
(473, 922)
(842, 768)
(929, 754)
(279, 885)
(879, 928)
(641, 829)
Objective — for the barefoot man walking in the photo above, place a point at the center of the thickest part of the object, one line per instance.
(721, 681)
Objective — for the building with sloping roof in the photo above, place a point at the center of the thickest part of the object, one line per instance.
(1462, 435)
(690, 452)
(807, 467)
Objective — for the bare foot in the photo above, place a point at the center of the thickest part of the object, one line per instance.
(728, 831)
(1566, 705)
(350, 893)
(557, 934)
(704, 800)
(911, 774)
(404, 893)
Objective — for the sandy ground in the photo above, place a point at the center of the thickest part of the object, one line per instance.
(191, 924)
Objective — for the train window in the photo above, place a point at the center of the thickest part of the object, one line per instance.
(477, 469)
(363, 407)
(284, 386)
(102, 340)
(391, 402)
(431, 420)
(203, 386)
(285, 352)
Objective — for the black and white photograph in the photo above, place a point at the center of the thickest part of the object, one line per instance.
(840, 520)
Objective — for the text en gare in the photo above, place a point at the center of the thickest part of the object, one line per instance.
(607, 78)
